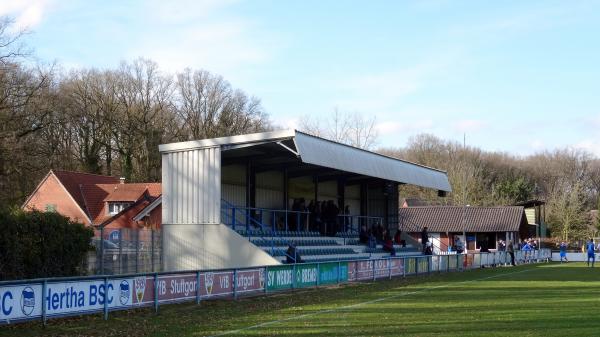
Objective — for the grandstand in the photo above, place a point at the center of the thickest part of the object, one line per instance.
(227, 202)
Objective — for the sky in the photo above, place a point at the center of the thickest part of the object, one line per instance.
(512, 76)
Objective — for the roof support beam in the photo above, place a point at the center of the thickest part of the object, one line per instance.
(288, 148)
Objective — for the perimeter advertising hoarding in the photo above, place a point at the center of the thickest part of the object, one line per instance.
(280, 277)
(363, 270)
(181, 287)
(329, 273)
(22, 302)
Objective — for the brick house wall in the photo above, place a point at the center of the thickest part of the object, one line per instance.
(51, 193)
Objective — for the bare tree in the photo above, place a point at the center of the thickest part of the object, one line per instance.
(348, 128)
(207, 107)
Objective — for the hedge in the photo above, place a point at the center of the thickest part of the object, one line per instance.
(41, 244)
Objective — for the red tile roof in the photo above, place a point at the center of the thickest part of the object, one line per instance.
(97, 195)
(92, 192)
(72, 180)
(125, 218)
(460, 218)
(126, 192)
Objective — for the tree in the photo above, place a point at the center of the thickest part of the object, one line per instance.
(567, 215)
(207, 106)
(349, 128)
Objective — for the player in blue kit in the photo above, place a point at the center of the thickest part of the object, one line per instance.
(563, 252)
(591, 252)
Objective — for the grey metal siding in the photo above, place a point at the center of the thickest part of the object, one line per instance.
(192, 186)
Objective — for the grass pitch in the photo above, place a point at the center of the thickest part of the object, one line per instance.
(533, 300)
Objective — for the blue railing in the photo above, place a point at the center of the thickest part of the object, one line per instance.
(41, 299)
(229, 218)
(353, 223)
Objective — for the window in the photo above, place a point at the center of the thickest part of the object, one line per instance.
(51, 208)
(116, 207)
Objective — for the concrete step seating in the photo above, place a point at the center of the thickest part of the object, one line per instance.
(267, 232)
(313, 247)
(298, 242)
(305, 252)
(349, 234)
(398, 248)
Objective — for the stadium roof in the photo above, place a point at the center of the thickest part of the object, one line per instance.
(325, 153)
(462, 218)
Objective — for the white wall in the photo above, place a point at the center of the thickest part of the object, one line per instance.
(188, 247)
(574, 257)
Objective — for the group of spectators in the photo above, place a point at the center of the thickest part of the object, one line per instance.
(378, 235)
(323, 216)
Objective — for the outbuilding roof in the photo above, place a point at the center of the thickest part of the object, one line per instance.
(325, 153)
(462, 218)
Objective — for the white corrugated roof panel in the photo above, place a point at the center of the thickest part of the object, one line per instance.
(318, 151)
(322, 152)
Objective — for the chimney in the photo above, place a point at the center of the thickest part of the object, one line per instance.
(122, 180)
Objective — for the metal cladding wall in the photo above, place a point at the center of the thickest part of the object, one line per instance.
(191, 186)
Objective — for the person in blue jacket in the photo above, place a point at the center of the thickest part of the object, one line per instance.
(526, 251)
(563, 252)
(591, 252)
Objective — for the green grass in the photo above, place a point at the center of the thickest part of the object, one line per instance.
(533, 300)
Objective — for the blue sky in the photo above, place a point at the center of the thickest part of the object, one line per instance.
(515, 76)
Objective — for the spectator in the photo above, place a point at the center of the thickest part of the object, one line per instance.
(292, 216)
(363, 235)
(319, 217)
(424, 238)
(388, 244)
(511, 251)
(379, 233)
(311, 215)
(526, 251)
(501, 246)
(428, 248)
(398, 237)
(372, 240)
(484, 248)
(458, 245)
(347, 220)
(292, 255)
(330, 214)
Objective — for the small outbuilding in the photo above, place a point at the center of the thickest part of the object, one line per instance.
(477, 226)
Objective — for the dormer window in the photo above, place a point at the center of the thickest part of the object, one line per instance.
(116, 207)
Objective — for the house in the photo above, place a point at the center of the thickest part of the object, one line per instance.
(474, 225)
(98, 201)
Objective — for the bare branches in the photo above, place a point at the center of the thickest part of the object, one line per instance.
(348, 128)
(207, 106)
(10, 47)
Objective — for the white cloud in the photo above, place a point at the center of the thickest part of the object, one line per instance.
(469, 125)
(411, 126)
(380, 92)
(203, 35)
(26, 13)
(591, 145)
(537, 145)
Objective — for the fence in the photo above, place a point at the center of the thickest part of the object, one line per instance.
(125, 251)
(58, 297)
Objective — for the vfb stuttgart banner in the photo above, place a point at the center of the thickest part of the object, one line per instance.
(181, 287)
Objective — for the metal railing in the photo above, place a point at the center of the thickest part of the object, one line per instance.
(125, 250)
(353, 223)
(41, 299)
(229, 216)
(253, 217)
